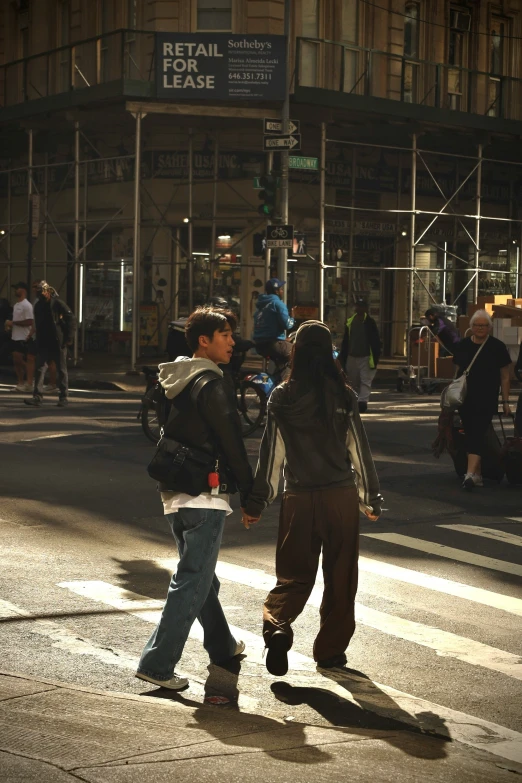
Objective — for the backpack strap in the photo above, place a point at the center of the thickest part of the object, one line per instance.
(198, 383)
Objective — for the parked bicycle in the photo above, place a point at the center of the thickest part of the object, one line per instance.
(251, 396)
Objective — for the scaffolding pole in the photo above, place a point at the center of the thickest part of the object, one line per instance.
(77, 292)
(9, 219)
(136, 254)
(268, 251)
(477, 225)
(214, 216)
(84, 249)
(412, 228)
(322, 199)
(190, 227)
(30, 209)
(176, 274)
(45, 208)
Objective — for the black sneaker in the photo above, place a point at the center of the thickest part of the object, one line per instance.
(34, 402)
(62, 403)
(363, 407)
(333, 662)
(276, 657)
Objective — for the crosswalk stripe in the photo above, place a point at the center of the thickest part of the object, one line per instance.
(444, 643)
(476, 594)
(487, 532)
(472, 731)
(449, 552)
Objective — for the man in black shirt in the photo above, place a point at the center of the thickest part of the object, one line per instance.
(55, 325)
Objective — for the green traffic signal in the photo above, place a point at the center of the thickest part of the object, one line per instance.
(268, 195)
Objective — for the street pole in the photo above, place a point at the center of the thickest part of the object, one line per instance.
(30, 209)
(477, 225)
(285, 120)
(268, 252)
(412, 228)
(322, 201)
(45, 208)
(136, 259)
(190, 259)
(214, 215)
(77, 292)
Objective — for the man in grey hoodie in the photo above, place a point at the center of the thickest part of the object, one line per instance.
(204, 418)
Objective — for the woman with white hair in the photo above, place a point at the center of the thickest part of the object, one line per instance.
(488, 375)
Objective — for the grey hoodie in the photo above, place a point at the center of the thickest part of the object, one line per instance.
(175, 376)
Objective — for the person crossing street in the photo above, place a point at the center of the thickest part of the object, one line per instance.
(360, 352)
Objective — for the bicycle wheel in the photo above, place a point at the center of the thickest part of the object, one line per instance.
(252, 407)
(149, 419)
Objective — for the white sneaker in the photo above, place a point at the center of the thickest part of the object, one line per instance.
(28, 387)
(174, 684)
(50, 389)
(240, 648)
(20, 387)
(472, 480)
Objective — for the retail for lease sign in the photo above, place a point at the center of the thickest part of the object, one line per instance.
(220, 66)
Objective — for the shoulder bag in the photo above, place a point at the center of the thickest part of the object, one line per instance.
(454, 394)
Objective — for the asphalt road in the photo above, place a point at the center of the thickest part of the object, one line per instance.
(84, 545)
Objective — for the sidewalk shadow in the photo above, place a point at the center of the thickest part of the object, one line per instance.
(256, 731)
(371, 712)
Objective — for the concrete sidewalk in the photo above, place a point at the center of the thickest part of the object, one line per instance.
(54, 732)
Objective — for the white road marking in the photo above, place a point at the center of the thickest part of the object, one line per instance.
(476, 594)
(487, 532)
(514, 519)
(48, 437)
(447, 551)
(68, 640)
(475, 732)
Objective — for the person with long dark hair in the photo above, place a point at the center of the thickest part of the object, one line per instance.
(315, 429)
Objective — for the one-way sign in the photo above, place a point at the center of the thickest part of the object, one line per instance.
(276, 126)
(286, 142)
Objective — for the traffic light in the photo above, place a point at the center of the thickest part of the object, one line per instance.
(268, 195)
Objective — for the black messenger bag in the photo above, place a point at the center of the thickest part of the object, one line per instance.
(181, 468)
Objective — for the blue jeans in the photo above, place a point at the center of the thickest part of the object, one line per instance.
(193, 593)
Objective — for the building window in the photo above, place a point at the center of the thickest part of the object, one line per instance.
(214, 15)
(458, 47)
(349, 21)
(65, 54)
(411, 30)
(499, 31)
(309, 49)
(131, 68)
(411, 50)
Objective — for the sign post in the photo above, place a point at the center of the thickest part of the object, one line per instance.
(288, 141)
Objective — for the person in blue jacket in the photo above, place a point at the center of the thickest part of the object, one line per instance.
(271, 321)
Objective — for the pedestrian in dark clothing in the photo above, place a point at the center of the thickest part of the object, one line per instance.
(518, 374)
(206, 423)
(443, 328)
(55, 324)
(315, 429)
(488, 375)
(360, 352)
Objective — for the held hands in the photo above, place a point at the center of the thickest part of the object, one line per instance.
(247, 520)
(371, 517)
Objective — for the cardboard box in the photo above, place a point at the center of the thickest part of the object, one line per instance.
(444, 367)
(482, 301)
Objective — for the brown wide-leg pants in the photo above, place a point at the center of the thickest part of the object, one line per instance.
(325, 519)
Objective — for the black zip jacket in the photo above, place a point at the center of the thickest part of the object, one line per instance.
(211, 423)
(63, 319)
(373, 339)
(315, 456)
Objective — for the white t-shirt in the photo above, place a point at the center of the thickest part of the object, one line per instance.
(22, 311)
(173, 501)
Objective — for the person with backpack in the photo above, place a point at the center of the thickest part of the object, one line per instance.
(442, 328)
(314, 428)
(200, 460)
(271, 320)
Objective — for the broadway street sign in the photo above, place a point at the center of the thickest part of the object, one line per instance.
(297, 162)
(287, 142)
(220, 66)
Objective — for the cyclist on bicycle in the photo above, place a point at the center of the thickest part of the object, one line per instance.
(270, 322)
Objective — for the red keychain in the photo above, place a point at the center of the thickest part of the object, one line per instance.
(213, 481)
